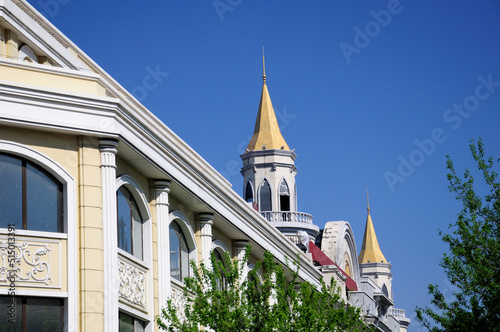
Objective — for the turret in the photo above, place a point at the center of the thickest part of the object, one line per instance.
(269, 174)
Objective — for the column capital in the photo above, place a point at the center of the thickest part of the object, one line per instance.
(240, 244)
(206, 218)
(162, 185)
(108, 145)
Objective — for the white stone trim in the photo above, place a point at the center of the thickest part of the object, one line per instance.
(69, 190)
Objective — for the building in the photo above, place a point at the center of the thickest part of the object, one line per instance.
(102, 206)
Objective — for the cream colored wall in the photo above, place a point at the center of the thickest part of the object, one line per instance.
(39, 76)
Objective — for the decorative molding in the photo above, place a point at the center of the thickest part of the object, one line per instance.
(41, 23)
(132, 284)
(179, 301)
(32, 263)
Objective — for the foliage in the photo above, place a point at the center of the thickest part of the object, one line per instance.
(473, 261)
(223, 299)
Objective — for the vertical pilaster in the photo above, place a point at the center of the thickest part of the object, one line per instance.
(108, 149)
(162, 189)
(205, 220)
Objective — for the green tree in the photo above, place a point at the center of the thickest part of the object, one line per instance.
(473, 261)
(221, 299)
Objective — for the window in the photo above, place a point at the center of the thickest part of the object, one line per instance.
(130, 324)
(179, 254)
(219, 260)
(30, 197)
(385, 291)
(249, 193)
(129, 223)
(31, 314)
(265, 196)
(284, 196)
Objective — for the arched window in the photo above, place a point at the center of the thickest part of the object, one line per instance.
(265, 196)
(385, 291)
(129, 223)
(179, 253)
(249, 193)
(221, 262)
(284, 196)
(30, 197)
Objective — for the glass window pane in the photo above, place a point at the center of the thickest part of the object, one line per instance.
(184, 256)
(11, 311)
(44, 315)
(137, 231)
(265, 197)
(175, 271)
(249, 193)
(43, 200)
(11, 194)
(126, 323)
(138, 326)
(124, 221)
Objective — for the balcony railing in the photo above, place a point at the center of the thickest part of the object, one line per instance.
(397, 312)
(287, 216)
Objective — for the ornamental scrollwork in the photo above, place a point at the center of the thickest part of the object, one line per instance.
(179, 301)
(28, 262)
(132, 284)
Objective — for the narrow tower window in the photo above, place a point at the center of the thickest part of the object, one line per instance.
(249, 193)
(284, 196)
(265, 196)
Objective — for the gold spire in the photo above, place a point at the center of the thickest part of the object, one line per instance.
(263, 66)
(267, 134)
(370, 250)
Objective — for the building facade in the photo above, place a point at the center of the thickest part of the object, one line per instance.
(102, 206)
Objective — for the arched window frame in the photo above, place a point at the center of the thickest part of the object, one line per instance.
(69, 221)
(270, 194)
(219, 247)
(140, 199)
(187, 230)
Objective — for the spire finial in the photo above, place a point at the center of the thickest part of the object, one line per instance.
(367, 201)
(263, 66)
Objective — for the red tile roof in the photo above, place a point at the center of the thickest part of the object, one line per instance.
(322, 259)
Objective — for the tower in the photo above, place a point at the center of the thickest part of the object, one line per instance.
(372, 262)
(269, 174)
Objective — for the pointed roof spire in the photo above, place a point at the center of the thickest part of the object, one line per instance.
(263, 66)
(267, 134)
(370, 250)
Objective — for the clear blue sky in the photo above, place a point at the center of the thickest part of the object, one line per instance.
(350, 115)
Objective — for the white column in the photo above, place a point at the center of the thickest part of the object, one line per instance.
(162, 189)
(240, 256)
(108, 149)
(205, 220)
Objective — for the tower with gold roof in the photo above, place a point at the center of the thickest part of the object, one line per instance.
(372, 261)
(269, 174)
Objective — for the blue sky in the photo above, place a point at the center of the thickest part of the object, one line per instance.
(370, 94)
